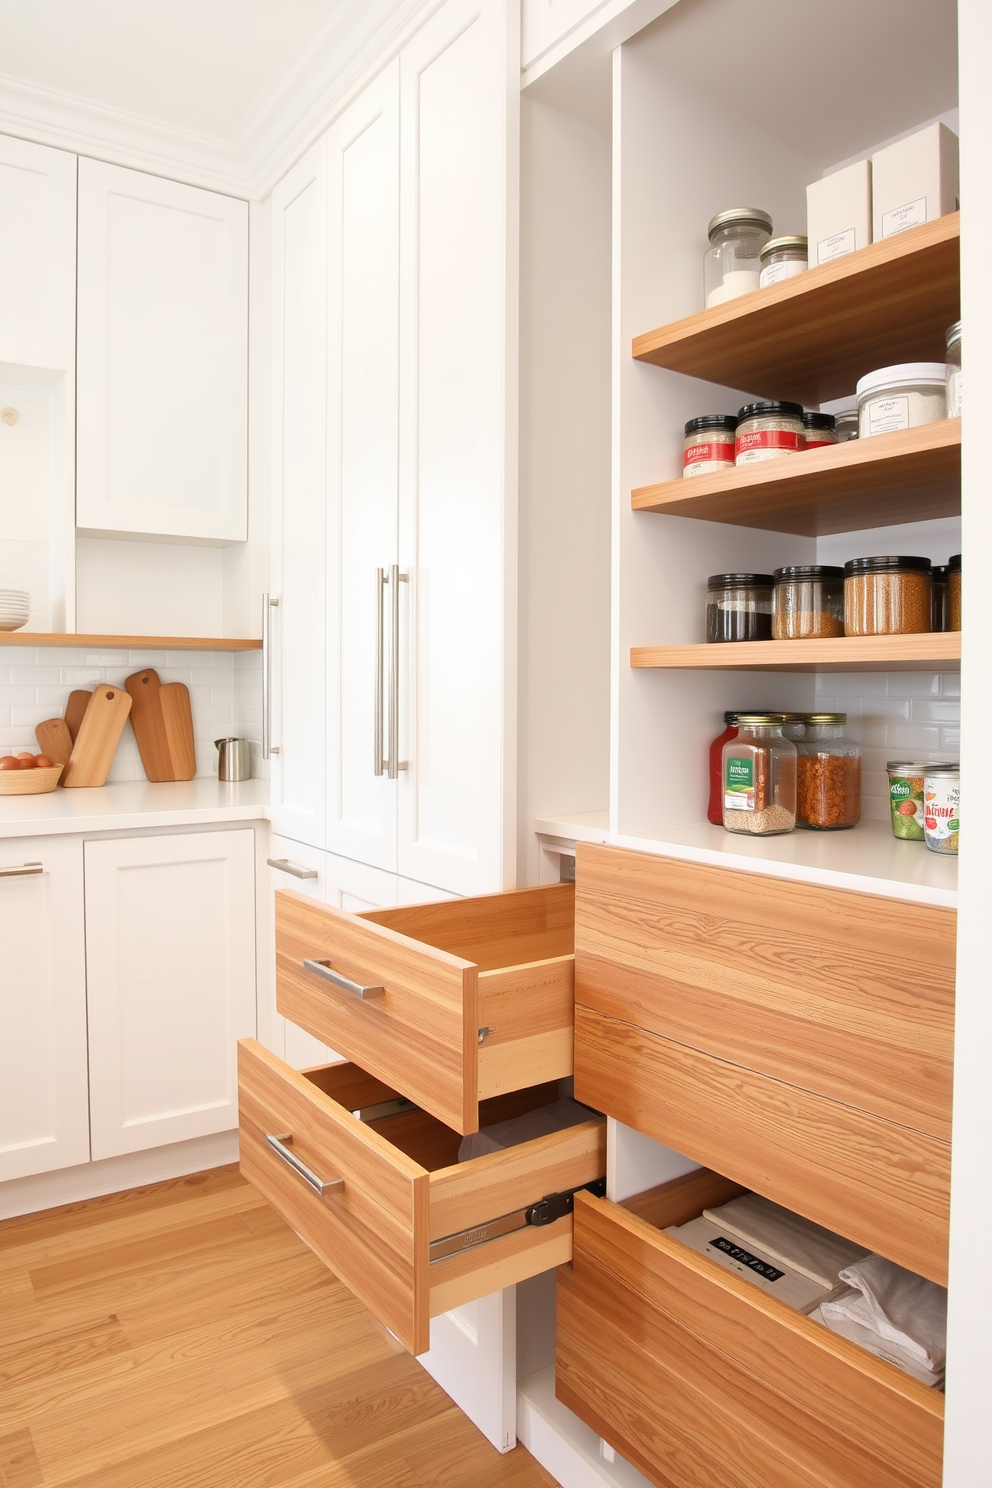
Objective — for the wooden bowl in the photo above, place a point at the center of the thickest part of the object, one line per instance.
(32, 782)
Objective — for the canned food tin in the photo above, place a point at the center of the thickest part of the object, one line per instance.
(942, 807)
(906, 798)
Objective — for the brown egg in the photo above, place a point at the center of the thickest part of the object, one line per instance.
(25, 761)
(9, 762)
(42, 762)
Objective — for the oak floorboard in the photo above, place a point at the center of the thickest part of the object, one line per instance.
(180, 1337)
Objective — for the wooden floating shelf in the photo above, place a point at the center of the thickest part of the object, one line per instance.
(939, 651)
(127, 642)
(907, 476)
(810, 338)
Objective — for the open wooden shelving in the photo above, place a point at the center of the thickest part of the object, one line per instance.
(937, 651)
(810, 338)
(128, 642)
(908, 476)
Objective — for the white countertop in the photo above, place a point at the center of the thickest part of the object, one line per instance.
(133, 804)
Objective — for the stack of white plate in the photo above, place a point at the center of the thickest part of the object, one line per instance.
(15, 607)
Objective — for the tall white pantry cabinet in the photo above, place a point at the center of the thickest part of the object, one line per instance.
(393, 467)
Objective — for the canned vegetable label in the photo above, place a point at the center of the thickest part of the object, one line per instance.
(739, 785)
(942, 813)
(906, 799)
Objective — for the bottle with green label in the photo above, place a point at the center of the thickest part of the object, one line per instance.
(759, 777)
(906, 799)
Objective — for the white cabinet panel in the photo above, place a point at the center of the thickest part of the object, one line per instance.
(37, 255)
(299, 356)
(170, 958)
(162, 358)
(44, 1122)
(544, 22)
(363, 368)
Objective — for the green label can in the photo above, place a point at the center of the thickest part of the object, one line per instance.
(906, 800)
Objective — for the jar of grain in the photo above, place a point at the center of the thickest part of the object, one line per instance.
(828, 775)
(808, 601)
(887, 596)
(942, 807)
(767, 430)
(819, 429)
(759, 777)
(954, 592)
(732, 264)
(954, 370)
(901, 397)
(783, 258)
(710, 444)
(739, 607)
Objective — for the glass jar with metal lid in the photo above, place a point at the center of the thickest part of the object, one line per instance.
(783, 258)
(732, 263)
(954, 370)
(808, 602)
(767, 430)
(739, 607)
(710, 444)
(819, 429)
(954, 592)
(794, 726)
(759, 777)
(887, 595)
(828, 775)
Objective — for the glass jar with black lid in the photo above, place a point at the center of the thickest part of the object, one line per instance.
(820, 429)
(808, 602)
(739, 607)
(709, 445)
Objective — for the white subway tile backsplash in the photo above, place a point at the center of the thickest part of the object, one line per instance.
(893, 715)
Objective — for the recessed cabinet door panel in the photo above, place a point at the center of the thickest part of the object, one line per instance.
(162, 358)
(170, 959)
(299, 354)
(363, 321)
(44, 1122)
(37, 255)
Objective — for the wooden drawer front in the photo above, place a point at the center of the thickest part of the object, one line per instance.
(502, 963)
(703, 1381)
(404, 1188)
(880, 1184)
(848, 995)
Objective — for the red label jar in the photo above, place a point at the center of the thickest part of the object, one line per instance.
(820, 429)
(767, 430)
(709, 444)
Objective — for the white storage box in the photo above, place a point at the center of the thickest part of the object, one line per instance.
(838, 213)
(915, 180)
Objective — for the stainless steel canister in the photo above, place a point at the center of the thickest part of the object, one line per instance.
(235, 759)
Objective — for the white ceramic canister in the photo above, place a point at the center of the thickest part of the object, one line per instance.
(901, 397)
(942, 807)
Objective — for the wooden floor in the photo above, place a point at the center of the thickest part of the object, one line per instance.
(180, 1336)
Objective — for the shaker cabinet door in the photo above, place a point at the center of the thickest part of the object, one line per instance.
(37, 255)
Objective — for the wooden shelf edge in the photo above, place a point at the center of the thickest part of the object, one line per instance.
(939, 651)
(128, 642)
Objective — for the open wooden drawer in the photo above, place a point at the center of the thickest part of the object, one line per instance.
(449, 1003)
(701, 1379)
(400, 1221)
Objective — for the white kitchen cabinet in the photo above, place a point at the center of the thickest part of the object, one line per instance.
(44, 1120)
(298, 477)
(37, 255)
(170, 965)
(162, 358)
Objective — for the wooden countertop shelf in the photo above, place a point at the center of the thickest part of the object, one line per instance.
(938, 652)
(128, 642)
(809, 339)
(908, 476)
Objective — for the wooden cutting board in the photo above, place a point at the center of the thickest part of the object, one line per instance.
(162, 720)
(55, 740)
(98, 736)
(75, 710)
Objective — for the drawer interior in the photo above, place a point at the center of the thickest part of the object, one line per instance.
(493, 931)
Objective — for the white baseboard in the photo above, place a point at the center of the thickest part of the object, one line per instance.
(565, 1446)
(114, 1174)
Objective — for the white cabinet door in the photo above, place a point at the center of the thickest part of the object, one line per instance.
(363, 328)
(457, 465)
(170, 967)
(162, 411)
(37, 255)
(299, 366)
(44, 1122)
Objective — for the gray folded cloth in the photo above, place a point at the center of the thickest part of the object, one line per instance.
(796, 1242)
(902, 1309)
(540, 1123)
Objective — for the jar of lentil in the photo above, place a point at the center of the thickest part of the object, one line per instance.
(732, 264)
(808, 602)
(709, 444)
(783, 258)
(941, 612)
(901, 397)
(942, 807)
(739, 607)
(887, 596)
(906, 798)
(954, 592)
(767, 430)
(759, 777)
(828, 775)
(819, 429)
(954, 370)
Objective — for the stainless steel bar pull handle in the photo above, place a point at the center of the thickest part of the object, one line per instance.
(23, 870)
(321, 1186)
(378, 763)
(345, 984)
(269, 603)
(297, 870)
(394, 764)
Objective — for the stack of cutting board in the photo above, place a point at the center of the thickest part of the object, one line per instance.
(85, 740)
(162, 720)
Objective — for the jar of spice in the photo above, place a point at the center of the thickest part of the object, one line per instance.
(954, 592)
(828, 775)
(942, 807)
(783, 258)
(767, 430)
(906, 798)
(901, 397)
(808, 602)
(846, 422)
(732, 263)
(887, 596)
(759, 777)
(819, 429)
(954, 370)
(739, 607)
(709, 444)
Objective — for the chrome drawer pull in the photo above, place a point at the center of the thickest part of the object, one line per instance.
(327, 972)
(24, 871)
(320, 1186)
(296, 869)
